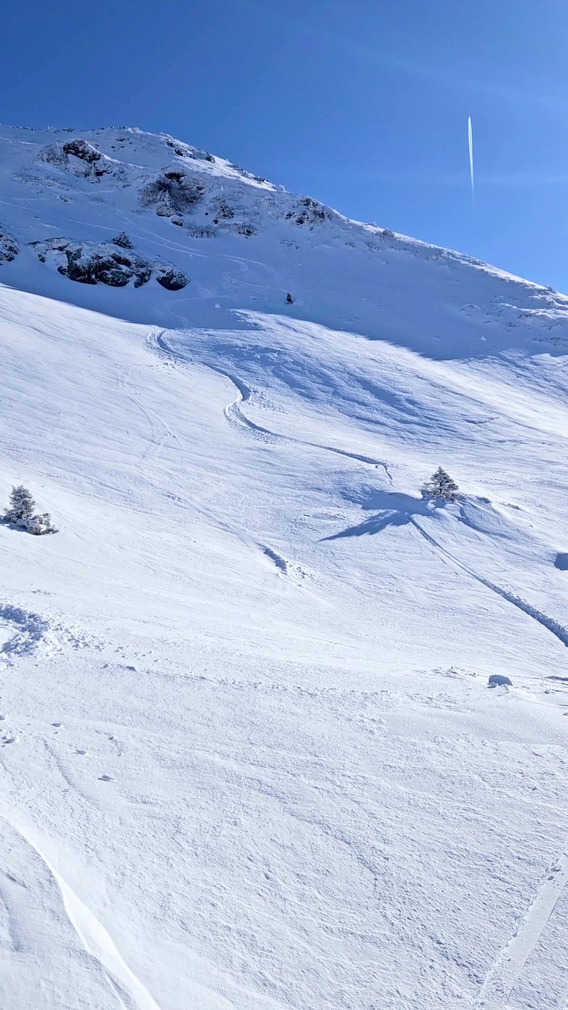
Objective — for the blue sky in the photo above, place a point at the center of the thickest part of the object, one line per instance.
(363, 104)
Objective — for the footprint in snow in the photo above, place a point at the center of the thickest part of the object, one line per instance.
(106, 778)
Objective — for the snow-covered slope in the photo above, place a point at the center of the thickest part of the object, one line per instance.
(249, 757)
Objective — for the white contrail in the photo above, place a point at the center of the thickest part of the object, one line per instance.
(470, 144)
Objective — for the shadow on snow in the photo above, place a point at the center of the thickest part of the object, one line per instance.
(394, 509)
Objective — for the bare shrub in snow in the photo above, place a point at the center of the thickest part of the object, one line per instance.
(440, 486)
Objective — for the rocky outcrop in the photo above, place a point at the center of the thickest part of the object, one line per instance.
(79, 157)
(172, 193)
(9, 248)
(310, 212)
(171, 278)
(112, 263)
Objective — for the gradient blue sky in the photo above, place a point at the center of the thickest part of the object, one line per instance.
(363, 104)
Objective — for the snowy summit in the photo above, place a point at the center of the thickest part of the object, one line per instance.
(308, 482)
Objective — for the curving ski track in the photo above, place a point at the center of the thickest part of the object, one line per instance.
(235, 415)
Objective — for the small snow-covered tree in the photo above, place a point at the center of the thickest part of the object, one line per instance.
(440, 485)
(21, 513)
(21, 507)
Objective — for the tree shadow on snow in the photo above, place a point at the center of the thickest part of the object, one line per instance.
(393, 510)
(15, 527)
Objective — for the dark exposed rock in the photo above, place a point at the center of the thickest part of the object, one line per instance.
(202, 233)
(123, 241)
(104, 263)
(172, 193)
(176, 148)
(310, 212)
(245, 229)
(499, 680)
(83, 150)
(98, 267)
(79, 157)
(222, 209)
(171, 279)
(9, 248)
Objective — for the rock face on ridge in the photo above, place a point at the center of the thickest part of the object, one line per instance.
(172, 192)
(79, 157)
(68, 195)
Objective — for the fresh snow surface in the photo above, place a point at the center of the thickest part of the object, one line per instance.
(249, 757)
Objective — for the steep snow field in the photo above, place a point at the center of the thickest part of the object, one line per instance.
(249, 758)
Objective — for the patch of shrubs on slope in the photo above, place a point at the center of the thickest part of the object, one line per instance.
(112, 263)
(9, 248)
(79, 157)
(172, 193)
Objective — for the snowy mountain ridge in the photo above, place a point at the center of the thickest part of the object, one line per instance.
(88, 187)
(250, 758)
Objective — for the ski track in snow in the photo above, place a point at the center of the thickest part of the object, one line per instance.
(235, 415)
(555, 628)
(126, 987)
(160, 432)
(510, 963)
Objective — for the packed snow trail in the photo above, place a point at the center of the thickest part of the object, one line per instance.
(234, 414)
(555, 628)
(512, 959)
